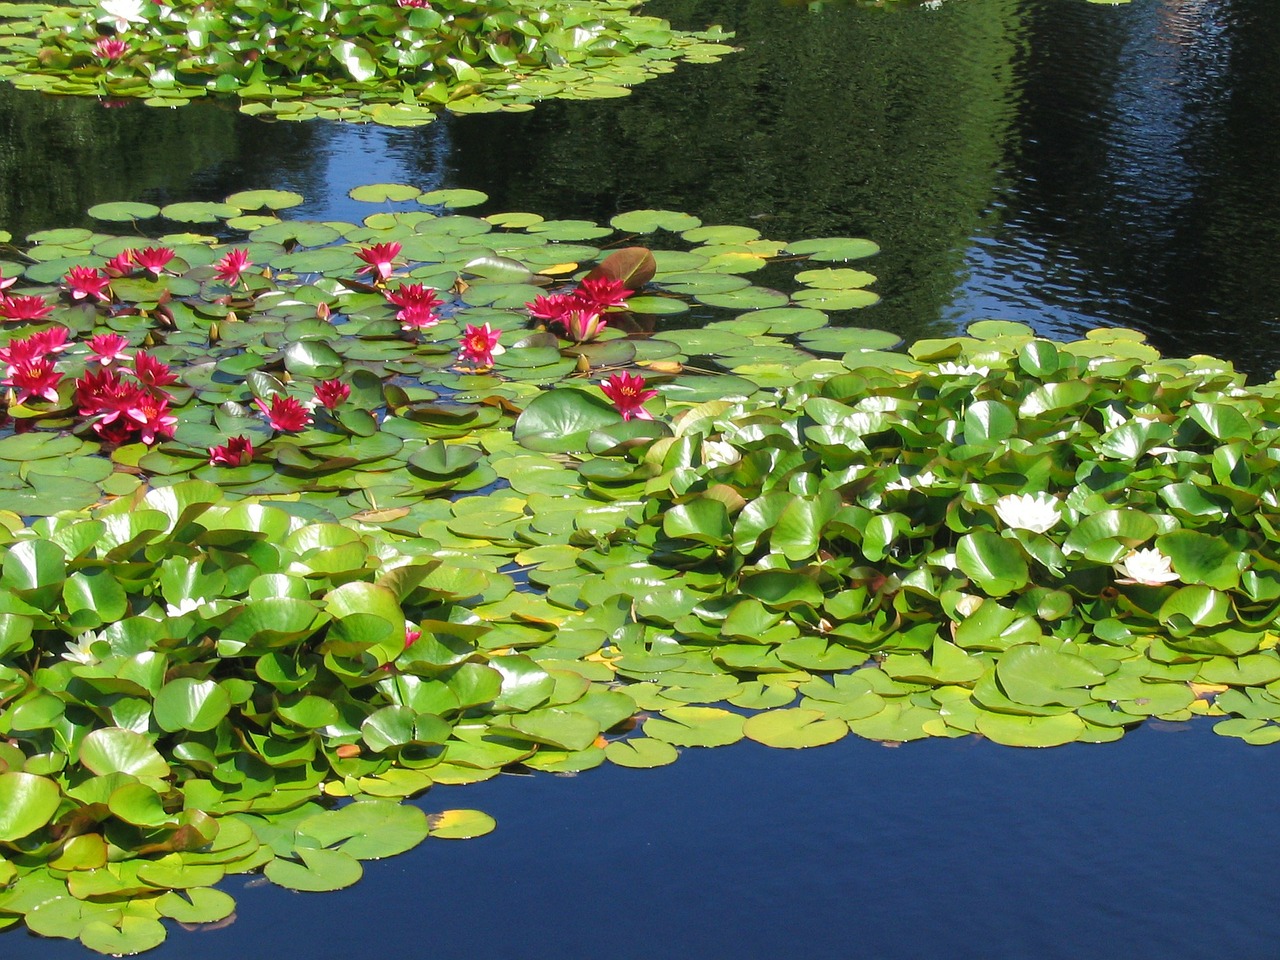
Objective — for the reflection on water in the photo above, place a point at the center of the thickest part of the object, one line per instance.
(1053, 161)
(1142, 187)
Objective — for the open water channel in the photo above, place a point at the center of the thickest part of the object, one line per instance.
(1063, 163)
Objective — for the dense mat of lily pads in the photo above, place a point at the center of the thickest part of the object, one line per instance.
(396, 63)
(300, 519)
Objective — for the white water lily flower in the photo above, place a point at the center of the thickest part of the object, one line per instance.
(716, 452)
(123, 12)
(80, 650)
(957, 370)
(1037, 512)
(183, 606)
(1149, 567)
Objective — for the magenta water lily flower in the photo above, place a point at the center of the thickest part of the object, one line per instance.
(18, 352)
(34, 378)
(479, 344)
(413, 294)
(603, 292)
(628, 394)
(285, 414)
(107, 396)
(106, 348)
(110, 49)
(30, 309)
(550, 308)
(152, 418)
(151, 372)
(236, 452)
(51, 340)
(85, 282)
(121, 265)
(417, 305)
(583, 323)
(153, 259)
(379, 260)
(332, 393)
(417, 317)
(39, 346)
(231, 267)
(580, 313)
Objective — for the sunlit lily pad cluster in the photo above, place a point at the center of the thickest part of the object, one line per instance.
(662, 507)
(1036, 542)
(391, 63)
(333, 304)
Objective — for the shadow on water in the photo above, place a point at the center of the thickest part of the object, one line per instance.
(1053, 161)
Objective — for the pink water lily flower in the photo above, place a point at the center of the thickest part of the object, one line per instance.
(6, 282)
(583, 323)
(85, 282)
(285, 414)
(417, 305)
(110, 48)
(34, 378)
(603, 292)
(628, 394)
(38, 346)
(153, 259)
(51, 340)
(479, 344)
(121, 265)
(151, 372)
(551, 308)
(107, 396)
(379, 259)
(24, 308)
(17, 353)
(232, 265)
(413, 294)
(332, 393)
(236, 452)
(152, 418)
(416, 316)
(107, 348)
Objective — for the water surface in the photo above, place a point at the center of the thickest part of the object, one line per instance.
(1053, 161)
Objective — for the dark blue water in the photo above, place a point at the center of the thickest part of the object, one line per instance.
(1053, 161)
(1158, 846)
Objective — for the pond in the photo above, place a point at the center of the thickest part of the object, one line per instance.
(1066, 164)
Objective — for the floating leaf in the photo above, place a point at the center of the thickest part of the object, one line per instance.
(460, 824)
(27, 803)
(794, 728)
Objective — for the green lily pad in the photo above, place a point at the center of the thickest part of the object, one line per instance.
(27, 803)
(695, 727)
(641, 753)
(793, 728)
(460, 824)
(319, 870)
